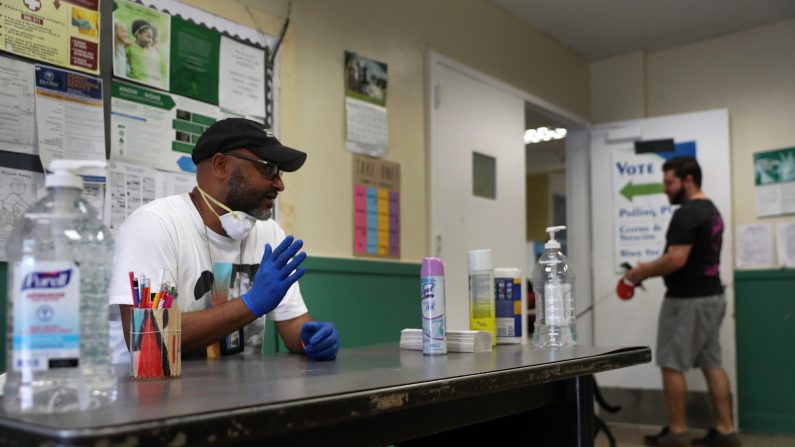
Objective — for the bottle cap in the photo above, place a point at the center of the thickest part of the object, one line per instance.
(507, 272)
(479, 260)
(64, 172)
(432, 267)
(552, 242)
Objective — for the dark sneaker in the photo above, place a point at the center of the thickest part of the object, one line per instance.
(713, 438)
(667, 439)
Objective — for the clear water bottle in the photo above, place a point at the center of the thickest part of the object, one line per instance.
(553, 284)
(60, 256)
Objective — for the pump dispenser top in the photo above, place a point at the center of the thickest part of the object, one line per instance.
(63, 173)
(553, 284)
(552, 243)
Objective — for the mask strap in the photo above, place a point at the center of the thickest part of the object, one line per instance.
(206, 196)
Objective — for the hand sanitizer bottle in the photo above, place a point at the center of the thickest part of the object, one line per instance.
(60, 257)
(553, 284)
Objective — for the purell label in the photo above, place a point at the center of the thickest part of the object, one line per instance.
(46, 319)
(46, 280)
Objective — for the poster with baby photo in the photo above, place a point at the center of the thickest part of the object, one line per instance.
(141, 46)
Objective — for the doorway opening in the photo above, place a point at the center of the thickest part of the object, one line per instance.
(545, 188)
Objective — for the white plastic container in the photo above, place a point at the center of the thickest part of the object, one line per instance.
(60, 256)
(508, 305)
(553, 284)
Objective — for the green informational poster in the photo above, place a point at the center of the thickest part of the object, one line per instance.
(777, 166)
(194, 60)
(774, 176)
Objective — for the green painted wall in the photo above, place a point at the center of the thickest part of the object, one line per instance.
(765, 318)
(368, 301)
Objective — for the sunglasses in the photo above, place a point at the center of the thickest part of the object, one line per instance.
(270, 170)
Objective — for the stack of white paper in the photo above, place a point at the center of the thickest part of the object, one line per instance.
(457, 341)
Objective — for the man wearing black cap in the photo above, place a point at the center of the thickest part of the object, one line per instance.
(218, 243)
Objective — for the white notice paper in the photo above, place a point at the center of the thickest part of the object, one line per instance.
(785, 242)
(171, 183)
(140, 125)
(366, 128)
(775, 199)
(130, 186)
(754, 245)
(69, 116)
(94, 192)
(17, 118)
(18, 191)
(241, 79)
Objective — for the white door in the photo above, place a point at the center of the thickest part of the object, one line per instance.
(621, 228)
(473, 114)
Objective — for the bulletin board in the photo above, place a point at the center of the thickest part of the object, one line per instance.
(131, 82)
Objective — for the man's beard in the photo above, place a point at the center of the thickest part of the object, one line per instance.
(242, 197)
(678, 197)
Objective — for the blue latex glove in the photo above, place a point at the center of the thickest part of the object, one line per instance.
(321, 340)
(277, 272)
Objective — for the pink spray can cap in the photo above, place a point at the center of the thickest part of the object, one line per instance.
(432, 267)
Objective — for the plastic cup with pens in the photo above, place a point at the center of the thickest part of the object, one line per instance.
(155, 331)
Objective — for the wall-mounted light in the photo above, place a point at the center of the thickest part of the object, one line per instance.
(543, 134)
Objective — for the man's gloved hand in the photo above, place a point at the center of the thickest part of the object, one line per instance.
(274, 276)
(320, 339)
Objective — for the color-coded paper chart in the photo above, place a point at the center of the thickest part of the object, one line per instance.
(376, 207)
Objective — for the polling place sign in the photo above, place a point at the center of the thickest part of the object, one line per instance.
(641, 211)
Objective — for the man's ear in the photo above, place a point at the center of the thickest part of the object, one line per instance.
(688, 181)
(220, 165)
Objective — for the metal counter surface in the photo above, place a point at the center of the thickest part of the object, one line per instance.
(216, 401)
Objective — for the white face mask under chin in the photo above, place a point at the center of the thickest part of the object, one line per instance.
(236, 224)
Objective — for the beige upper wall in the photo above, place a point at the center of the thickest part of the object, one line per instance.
(618, 93)
(317, 205)
(750, 73)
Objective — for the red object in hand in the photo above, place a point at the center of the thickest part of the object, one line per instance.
(625, 289)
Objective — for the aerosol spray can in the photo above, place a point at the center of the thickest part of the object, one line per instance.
(481, 293)
(434, 340)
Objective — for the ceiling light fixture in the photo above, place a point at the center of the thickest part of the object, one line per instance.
(543, 134)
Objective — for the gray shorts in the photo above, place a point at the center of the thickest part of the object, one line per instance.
(688, 332)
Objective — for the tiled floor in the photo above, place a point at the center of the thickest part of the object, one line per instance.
(632, 436)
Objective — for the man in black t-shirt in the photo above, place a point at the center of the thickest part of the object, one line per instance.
(693, 308)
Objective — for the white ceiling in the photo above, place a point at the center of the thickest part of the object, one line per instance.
(597, 29)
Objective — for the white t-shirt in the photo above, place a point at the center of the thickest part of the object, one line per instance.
(169, 234)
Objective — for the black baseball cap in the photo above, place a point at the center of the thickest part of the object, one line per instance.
(240, 133)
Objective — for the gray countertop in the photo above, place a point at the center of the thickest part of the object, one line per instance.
(362, 381)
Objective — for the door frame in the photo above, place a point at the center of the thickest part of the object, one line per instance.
(578, 211)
